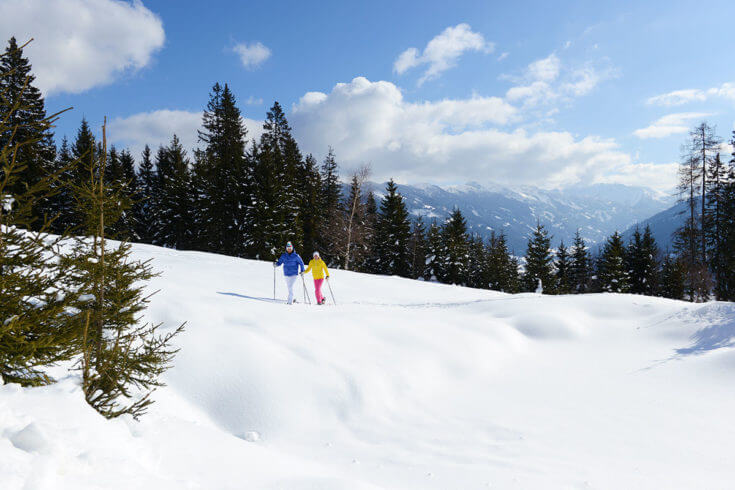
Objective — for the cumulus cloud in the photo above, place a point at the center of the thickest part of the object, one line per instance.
(546, 80)
(443, 51)
(157, 127)
(450, 140)
(686, 96)
(252, 55)
(80, 44)
(670, 124)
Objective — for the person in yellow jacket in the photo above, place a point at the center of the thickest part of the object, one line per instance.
(318, 271)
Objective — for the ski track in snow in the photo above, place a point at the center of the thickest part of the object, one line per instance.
(402, 384)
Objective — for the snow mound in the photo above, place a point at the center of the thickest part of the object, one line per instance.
(401, 384)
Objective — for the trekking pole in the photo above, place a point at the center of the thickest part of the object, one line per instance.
(274, 283)
(306, 295)
(330, 291)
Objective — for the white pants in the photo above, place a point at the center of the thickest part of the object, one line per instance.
(290, 281)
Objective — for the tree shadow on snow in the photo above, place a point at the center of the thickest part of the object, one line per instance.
(716, 336)
(256, 298)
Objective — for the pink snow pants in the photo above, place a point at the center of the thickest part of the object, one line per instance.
(318, 290)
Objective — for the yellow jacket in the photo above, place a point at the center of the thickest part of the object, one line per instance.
(318, 269)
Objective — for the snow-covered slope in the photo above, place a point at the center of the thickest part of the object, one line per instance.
(597, 210)
(403, 384)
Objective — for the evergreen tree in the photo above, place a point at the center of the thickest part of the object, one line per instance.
(725, 286)
(715, 222)
(312, 212)
(642, 263)
(539, 262)
(276, 216)
(417, 246)
(333, 226)
(564, 272)
(501, 267)
(331, 191)
(672, 278)
(173, 205)
(393, 234)
(221, 177)
(370, 264)
(612, 272)
(353, 239)
(477, 258)
(120, 356)
(144, 209)
(61, 203)
(24, 117)
(454, 236)
(435, 254)
(580, 267)
(37, 328)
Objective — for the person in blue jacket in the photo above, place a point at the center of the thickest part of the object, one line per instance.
(292, 266)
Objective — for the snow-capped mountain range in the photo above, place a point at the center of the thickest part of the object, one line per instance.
(597, 210)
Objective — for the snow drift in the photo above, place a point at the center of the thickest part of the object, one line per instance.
(402, 384)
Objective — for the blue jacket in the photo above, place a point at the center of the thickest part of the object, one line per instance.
(292, 263)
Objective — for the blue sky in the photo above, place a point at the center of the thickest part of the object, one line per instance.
(508, 92)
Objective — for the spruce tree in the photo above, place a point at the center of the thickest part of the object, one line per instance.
(501, 267)
(23, 110)
(672, 278)
(333, 226)
(275, 216)
(643, 263)
(435, 254)
(312, 212)
(222, 183)
(37, 328)
(369, 264)
(61, 203)
(417, 245)
(174, 205)
(393, 234)
(715, 221)
(477, 257)
(122, 358)
(539, 262)
(455, 238)
(144, 209)
(564, 272)
(612, 271)
(580, 267)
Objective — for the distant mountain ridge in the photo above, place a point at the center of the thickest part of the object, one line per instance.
(597, 210)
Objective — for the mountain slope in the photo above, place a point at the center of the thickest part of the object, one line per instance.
(403, 384)
(663, 224)
(597, 210)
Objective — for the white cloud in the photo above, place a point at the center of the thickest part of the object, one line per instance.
(252, 100)
(503, 56)
(545, 70)
(157, 127)
(443, 51)
(681, 97)
(80, 44)
(547, 80)
(670, 124)
(662, 177)
(449, 140)
(252, 55)
(678, 97)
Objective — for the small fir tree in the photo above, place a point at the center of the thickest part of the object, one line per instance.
(539, 262)
(122, 358)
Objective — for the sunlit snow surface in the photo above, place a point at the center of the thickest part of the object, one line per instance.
(402, 385)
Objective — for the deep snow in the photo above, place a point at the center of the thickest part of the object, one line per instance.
(403, 384)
